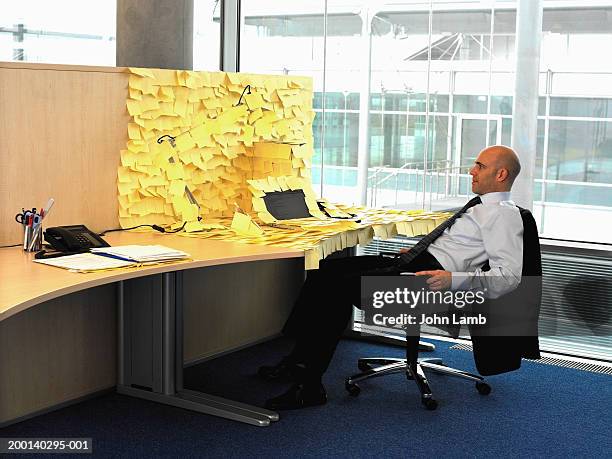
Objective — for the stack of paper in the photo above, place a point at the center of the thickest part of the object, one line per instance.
(141, 253)
(85, 262)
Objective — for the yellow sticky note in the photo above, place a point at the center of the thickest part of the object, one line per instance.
(184, 142)
(255, 115)
(282, 127)
(142, 72)
(242, 224)
(124, 188)
(193, 226)
(175, 171)
(135, 94)
(128, 158)
(149, 103)
(177, 187)
(247, 134)
(263, 129)
(266, 217)
(274, 184)
(295, 183)
(189, 212)
(234, 78)
(133, 107)
(134, 131)
(124, 175)
(164, 77)
(272, 150)
(259, 205)
(220, 139)
(254, 100)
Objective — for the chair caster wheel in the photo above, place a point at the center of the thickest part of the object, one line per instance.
(429, 403)
(353, 389)
(483, 388)
(363, 366)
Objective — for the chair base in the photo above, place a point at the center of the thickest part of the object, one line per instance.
(381, 366)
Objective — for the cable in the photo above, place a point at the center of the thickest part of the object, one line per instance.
(155, 227)
(14, 245)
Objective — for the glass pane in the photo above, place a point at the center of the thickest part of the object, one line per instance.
(438, 141)
(501, 105)
(474, 138)
(469, 104)
(338, 100)
(541, 106)
(206, 35)
(282, 41)
(578, 194)
(579, 106)
(580, 151)
(582, 83)
(539, 164)
(506, 136)
(472, 82)
(60, 32)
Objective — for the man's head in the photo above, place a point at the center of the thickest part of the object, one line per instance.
(495, 169)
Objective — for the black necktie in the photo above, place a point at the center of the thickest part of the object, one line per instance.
(422, 245)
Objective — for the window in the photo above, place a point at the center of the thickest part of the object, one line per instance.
(206, 35)
(437, 98)
(59, 31)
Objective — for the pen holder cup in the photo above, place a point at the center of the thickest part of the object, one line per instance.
(32, 238)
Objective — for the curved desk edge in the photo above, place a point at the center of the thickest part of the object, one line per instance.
(27, 284)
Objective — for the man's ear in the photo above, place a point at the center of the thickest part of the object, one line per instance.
(502, 175)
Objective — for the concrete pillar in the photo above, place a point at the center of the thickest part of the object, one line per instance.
(155, 33)
(525, 105)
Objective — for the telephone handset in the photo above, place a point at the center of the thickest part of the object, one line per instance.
(73, 238)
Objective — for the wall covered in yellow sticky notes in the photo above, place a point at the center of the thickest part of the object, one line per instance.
(227, 128)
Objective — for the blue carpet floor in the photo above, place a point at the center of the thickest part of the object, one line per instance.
(535, 412)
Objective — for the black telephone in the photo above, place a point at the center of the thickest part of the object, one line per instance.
(74, 238)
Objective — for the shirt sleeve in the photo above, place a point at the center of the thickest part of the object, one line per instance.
(502, 235)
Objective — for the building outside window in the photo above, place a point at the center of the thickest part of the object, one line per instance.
(59, 31)
(437, 98)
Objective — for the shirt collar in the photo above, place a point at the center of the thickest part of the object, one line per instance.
(495, 197)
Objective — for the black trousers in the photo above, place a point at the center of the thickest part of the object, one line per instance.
(325, 304)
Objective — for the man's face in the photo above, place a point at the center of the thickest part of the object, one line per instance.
(483, 173)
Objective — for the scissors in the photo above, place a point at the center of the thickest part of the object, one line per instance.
(23, 218)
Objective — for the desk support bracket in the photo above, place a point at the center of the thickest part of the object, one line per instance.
(150, 320)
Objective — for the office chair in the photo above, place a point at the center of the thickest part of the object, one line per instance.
(492, 354)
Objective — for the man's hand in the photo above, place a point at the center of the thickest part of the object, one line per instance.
(404, 250)
(438, 280)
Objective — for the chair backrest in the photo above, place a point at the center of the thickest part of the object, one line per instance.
(496, 348)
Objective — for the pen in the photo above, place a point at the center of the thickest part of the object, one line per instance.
(37, 221)
(47, 208)
(27, 234)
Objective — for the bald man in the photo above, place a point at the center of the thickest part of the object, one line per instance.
(488, 228)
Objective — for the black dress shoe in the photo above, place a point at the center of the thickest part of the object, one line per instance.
(286, 370)
(299, 396)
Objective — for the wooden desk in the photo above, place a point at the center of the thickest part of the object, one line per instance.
(59, 338)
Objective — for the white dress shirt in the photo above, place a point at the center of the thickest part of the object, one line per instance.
(490, 231)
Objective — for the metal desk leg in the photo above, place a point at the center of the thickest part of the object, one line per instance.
(151, 351)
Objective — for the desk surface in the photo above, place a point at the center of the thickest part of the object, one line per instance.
(24, 284)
